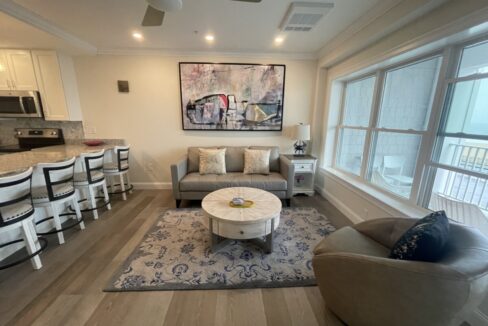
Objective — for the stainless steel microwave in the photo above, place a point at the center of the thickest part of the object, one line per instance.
(20, 104)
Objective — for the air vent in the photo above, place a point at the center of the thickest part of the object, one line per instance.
(303, 16)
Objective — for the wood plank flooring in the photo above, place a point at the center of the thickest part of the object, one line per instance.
(68, 289)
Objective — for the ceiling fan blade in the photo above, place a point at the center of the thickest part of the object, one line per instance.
(153, 17)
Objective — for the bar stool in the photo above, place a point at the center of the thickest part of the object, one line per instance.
(53, 189)
(17, 212)
(90, 178)
(119, 168)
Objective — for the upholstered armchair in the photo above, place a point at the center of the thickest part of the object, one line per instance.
(362, 286)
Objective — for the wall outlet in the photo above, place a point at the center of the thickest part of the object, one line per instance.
(90, 130)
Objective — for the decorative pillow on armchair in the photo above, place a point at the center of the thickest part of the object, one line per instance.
(212, 161)
(425, 240)
(256, 161)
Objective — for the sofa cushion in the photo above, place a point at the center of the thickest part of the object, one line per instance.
(212, 161)
(274, 157)
(425, 240)
(194, 158)
(256, 161)
(210, 182)
(234, 158)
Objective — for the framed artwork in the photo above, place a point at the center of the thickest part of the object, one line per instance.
(232, 96)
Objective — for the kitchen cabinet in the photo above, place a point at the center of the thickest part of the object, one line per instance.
(17, 70)
(57, 86)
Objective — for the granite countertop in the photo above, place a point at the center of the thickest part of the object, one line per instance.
(17, 162)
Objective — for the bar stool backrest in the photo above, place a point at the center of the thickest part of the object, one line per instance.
(92, 163)
(122, 153)
(15, 190)
(57, 175)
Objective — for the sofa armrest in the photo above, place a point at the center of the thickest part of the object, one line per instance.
(385, 231)
(287, 170)
(178, 171)
(376, 290)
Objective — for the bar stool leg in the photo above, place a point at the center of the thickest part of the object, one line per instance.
(76, 206)
(57, 223)
(122, 187)
(105, 194)
(128, 182)
(30, 244)
(93, 202)
(33, 231)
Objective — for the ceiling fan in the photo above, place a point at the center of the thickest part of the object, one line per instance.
(157, 8)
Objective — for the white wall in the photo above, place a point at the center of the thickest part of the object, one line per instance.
(149, 116)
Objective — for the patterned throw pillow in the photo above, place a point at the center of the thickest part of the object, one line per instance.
(256, 161)
(425, 240)
(212, 161)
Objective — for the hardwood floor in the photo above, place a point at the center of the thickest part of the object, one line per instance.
(68, 289)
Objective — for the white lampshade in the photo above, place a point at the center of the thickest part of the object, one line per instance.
(302, 132)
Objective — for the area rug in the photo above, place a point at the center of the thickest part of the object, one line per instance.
(176, 255)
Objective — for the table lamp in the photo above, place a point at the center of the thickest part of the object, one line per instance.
(302, 134)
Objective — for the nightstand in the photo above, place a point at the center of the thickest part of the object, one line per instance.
(304, 173)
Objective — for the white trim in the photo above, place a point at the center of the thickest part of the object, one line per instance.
(343, 208)
(14, 10)
(152, 185)
(390, 204)
(195, 53)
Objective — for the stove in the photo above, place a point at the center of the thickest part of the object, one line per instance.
(30, 138)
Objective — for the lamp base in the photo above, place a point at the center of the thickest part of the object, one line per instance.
(300, 147)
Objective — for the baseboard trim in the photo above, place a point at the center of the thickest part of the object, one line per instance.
(341, 206)
(152, 185)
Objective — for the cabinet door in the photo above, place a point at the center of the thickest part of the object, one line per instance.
(50, 85)
(21, 70)
(4, 73)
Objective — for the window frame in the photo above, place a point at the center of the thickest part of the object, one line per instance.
(425, 147)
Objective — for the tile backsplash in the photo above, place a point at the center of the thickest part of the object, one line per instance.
(71, 129)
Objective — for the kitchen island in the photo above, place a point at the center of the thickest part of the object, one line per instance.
(17, 162)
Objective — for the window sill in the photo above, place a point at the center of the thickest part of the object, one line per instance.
(389, 203)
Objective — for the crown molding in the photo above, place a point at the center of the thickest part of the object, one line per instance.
(29, 17)
(193, 53)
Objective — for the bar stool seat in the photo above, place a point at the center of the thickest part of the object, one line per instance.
(54, 189)
(89, 178)
(17, 213)
(114, 167)
(40, 194)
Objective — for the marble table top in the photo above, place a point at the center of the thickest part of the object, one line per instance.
(266, 205)
(17, 162)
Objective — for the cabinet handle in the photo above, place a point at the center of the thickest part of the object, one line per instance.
(13, 84)
(8, 84)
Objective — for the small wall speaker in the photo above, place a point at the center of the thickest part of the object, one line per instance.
(123, 86)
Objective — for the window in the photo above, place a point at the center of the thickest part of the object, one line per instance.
(358, 99)
(383, 137)
(459, 168)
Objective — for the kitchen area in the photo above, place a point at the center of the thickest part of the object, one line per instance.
(51, 177)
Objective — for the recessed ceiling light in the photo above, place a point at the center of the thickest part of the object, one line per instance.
(279, 40)
(209, 38)
(137, 35)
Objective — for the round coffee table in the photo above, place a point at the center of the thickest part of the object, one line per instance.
(254, 222)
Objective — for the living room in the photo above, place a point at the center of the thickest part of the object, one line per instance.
(243, 162)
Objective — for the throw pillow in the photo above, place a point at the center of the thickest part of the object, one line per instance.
(425, 240)
(256, 161)
(212, 161)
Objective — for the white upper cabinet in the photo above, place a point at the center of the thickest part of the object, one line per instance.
(17, 70)
(57, 86)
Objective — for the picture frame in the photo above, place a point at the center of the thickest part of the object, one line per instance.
(232, 96)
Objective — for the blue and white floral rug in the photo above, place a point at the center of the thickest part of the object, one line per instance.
(175, 255)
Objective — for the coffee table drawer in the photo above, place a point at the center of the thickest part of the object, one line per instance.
(243, 231)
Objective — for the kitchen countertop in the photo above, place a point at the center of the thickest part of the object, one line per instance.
(17, 162)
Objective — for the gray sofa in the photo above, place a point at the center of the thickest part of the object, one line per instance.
(189, 184)
(364, 287)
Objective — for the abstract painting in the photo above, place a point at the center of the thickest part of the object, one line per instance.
(232, 96)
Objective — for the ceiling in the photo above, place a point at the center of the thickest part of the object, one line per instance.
(237, 26)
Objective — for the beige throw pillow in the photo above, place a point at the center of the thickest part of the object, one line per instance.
(256, 161)
(212, 161)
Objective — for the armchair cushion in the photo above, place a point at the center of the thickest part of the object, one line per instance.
(425, 241)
